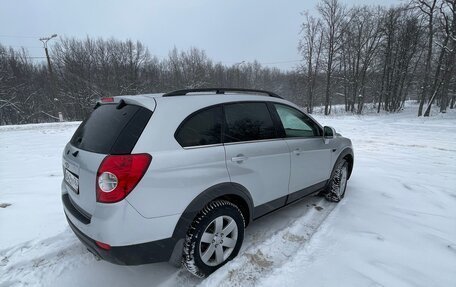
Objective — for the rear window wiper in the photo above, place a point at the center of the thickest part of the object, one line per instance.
(121, 104)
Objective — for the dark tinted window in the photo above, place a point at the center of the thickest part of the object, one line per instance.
(247, 122)
(202, 128)
(110, 130)
(296, 123)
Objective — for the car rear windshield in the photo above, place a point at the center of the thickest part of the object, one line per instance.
(112, 129)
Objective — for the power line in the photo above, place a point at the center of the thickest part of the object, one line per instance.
(17, 36)
(280, 62)
(28, 57)
(265, 63)
(19, 46)
(262, 63)
(224, 62)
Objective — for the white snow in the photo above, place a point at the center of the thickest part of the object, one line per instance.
(396, 226)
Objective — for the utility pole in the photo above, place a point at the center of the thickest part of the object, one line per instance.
(236, 65)
(45, 40)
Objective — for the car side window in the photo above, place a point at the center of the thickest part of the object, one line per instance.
(296, 123)
(248, 122)
(202, 128)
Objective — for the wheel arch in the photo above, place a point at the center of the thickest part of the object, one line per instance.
(230, 191)
(348, 155)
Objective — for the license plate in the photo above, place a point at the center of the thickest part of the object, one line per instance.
(72, 180)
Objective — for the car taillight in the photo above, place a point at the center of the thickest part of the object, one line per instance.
(103, 245)
(119, 174)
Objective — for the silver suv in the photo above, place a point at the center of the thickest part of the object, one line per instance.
(177, 177)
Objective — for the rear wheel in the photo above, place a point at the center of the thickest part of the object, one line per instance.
(338, 182)
(214, 238)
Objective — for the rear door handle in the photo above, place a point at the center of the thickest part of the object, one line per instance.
(297, 151)
(239, 158)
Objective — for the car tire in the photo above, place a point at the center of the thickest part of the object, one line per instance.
(335, 191)
(214, 238)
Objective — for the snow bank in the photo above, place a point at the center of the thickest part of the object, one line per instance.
(396, 226)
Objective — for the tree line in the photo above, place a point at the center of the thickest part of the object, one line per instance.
(86, 70)
(380, 55)
(350, 56)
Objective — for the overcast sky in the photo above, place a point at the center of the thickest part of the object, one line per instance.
(229, 31)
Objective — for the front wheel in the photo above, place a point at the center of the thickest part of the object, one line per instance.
(338, 182)
(214, 238)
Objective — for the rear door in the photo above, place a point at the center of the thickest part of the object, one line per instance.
(110, 129)
(310, 156)
(255, 157)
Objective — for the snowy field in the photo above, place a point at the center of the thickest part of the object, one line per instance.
(396, 226)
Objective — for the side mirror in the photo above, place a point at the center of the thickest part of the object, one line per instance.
(328, 133)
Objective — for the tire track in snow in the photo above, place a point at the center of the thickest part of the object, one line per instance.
(268, 244)
(34, 263)
(259, 259)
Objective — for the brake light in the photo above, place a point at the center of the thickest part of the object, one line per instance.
(107, 100)
(118, 175)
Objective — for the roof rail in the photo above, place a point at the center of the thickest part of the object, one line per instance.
(220, 91)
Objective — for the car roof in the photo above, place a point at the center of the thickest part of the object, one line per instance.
(196, 100)
(228, 96)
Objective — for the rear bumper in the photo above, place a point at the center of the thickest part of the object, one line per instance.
(117, 224)
(134, 240)
(137, 254)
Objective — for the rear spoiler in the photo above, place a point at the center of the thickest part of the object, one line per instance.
(120, 105)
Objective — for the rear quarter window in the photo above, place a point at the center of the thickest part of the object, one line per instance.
(111, 130)
(201, 128)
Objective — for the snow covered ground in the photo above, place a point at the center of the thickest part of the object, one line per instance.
(396, 226)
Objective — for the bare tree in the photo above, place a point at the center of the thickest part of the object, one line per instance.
(333, 15)
(352, 57)
(87, 70)
(360, 42)
(448, 12)
(310, 46)
(399, 50)
(428, 8)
